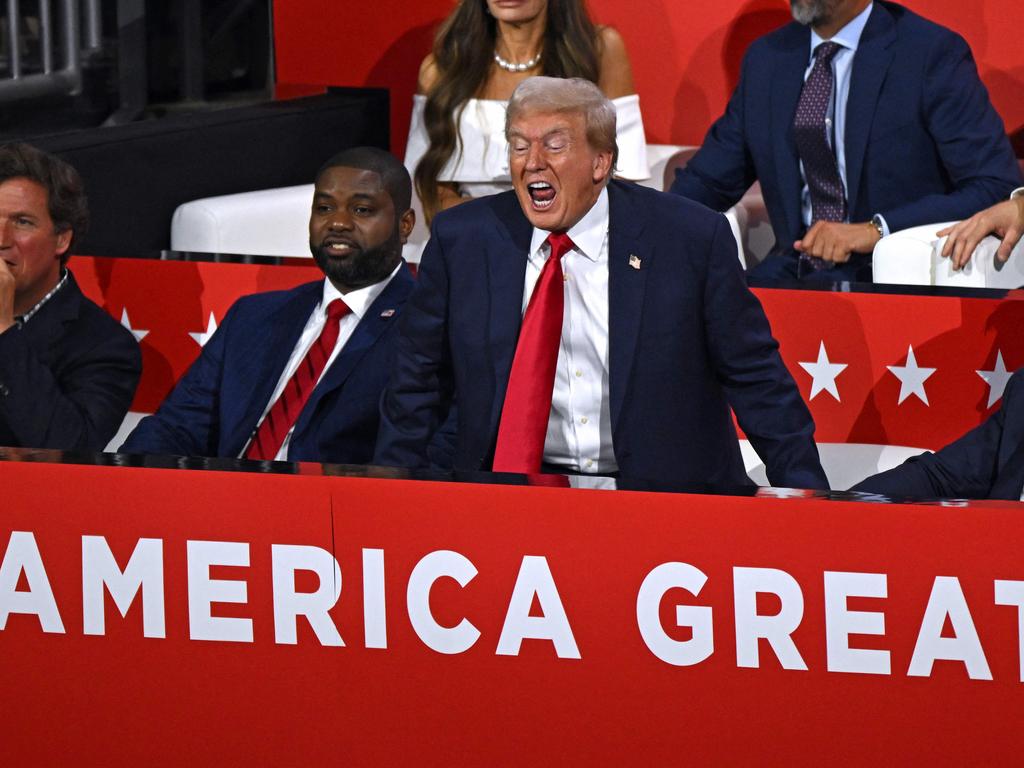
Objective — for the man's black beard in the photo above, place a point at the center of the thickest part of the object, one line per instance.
(363, 268)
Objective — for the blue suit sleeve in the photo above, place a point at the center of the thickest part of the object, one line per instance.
(763, 395)
(79, 410)
(722, 170)
(966, 468)
(418, 396)
(187, 422)
(970, 138)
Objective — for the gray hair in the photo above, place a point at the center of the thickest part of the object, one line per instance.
(573, 94)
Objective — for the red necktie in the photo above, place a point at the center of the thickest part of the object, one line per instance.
(285, 411)
(524, 416)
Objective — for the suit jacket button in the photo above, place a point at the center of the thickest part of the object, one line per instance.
(4, 391)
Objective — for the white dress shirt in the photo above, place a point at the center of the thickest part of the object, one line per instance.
(358, 302)
(579, 432)
(842, 70)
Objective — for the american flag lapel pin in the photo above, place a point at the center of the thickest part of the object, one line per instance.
(388, 313)
(634, 261)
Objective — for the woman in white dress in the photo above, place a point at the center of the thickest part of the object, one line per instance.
(482, 51)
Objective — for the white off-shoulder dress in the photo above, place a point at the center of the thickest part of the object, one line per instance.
(481, 168)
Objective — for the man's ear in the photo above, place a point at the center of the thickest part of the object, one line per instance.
(405, 224)
(64, 241)
(602, 167)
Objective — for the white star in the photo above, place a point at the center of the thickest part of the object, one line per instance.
(139, 335)
(204, 336)
(824, 374)
(912, 378)
(996, 379)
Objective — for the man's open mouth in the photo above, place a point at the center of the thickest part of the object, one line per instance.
(542, 194)
(339, 247)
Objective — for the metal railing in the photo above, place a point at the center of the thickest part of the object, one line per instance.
(56, 66)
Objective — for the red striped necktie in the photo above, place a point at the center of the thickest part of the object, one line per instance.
(524, 416)
(285, 411)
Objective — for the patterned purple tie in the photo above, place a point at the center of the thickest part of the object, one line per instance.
(811, 131)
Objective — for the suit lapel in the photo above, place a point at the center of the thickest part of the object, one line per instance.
(376, 320)
(870, 64)
(63, 307)
(506, 275)
(787, 84)
(270, 352)
(626, 287)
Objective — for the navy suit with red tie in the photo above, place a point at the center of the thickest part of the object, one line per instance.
(217, 404)
(686, 340)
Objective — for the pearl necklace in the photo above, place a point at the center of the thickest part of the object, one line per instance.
(511, 66)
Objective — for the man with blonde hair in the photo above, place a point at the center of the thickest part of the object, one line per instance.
(585, 325)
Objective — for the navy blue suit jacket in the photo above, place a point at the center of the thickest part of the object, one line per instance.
(923, 142)
(986, 463)
(67, 377)
(687, 339)
(217, 404)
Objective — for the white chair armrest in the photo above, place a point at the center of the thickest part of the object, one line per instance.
(845, 464)
(982, 271)
(906, 257)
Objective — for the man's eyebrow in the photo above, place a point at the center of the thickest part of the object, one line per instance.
(356, 195)
(547, 135)
(557, 133)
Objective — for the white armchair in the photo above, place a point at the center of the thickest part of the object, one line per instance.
(268, 222)
(914, 257)
(845, 464)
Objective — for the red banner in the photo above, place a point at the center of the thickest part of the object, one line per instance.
(963, 349)
(159, 616)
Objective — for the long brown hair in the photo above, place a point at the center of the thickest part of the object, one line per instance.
(463, 52)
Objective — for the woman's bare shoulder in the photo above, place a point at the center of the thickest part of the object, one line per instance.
(428, 75)
(616, 74)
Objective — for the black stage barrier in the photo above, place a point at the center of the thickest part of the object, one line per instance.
(137, 174)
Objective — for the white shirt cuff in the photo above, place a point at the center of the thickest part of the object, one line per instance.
(1018, 192)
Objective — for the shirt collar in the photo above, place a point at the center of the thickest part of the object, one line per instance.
(848, 36)
(587, 234)
(359, 300)
(22, 319)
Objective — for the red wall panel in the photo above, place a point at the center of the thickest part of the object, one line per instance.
(685, 55)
